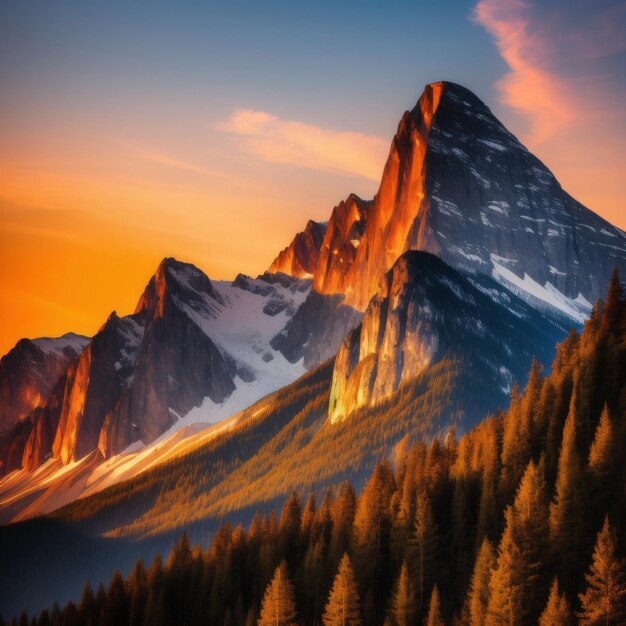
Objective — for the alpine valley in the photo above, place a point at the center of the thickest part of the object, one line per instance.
(407, 320)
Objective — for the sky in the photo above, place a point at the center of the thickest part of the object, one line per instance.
(213, 131)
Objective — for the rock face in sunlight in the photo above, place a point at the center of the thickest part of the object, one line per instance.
(339, 248)
(427, 311)
(300, 258)
(460, 185)
(29, 372)
(318, 327)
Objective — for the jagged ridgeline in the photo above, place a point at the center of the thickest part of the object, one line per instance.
(522, 520)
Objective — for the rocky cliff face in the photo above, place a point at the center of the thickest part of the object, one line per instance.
(300, 258)
(459, 185)
(94, 384)
(427, 311)
(29, 372)
(177, 365)
(340, 245)
(315, 332)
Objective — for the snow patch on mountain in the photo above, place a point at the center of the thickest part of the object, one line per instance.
(241, 322)
(59, 345)
(578, 309)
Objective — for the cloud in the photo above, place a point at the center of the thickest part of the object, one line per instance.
(553, 51)
(305, 145)
(565, 78)
(163, 159)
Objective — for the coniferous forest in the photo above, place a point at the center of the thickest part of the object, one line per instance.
(520, 521)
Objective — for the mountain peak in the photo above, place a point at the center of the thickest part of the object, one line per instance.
(174, 277)
(458, 184)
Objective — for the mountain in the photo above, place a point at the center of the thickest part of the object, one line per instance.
(458, 184)
(427, 312)
(318, 327)
(301, 256)
(435, 350)
(194, 351)
(28, 373)
(534, 494)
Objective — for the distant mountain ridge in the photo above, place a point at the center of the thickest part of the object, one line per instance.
(29, 371)
(301, 257)
(182, 352)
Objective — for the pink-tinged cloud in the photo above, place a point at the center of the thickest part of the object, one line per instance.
(555, 53)
(530, 87)
(305, 145)
(565, 78)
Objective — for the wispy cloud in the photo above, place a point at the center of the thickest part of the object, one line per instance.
(306, 145)
(160, 158)
(550, 50)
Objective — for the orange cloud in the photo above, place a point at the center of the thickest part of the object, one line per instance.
(305, 145)
(530, 87)
(563, 82)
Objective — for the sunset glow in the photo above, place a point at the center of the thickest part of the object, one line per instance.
(218, 157)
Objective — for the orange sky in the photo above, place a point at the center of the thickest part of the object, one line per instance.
(122, 142)
(82, 236)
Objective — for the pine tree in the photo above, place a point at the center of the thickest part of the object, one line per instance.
(425, 546)
(515, 444)
(403, 603)
(343, 513)
(531, 512)
(138, 590)
(343, 607)
(601, 454)
(279, 605)
(614, 303)
(435, 617)
(87, 609)
(507, 579)
(308, 516)
(566, 510)
(372, 525)
(604, 601)
(557, 611)
(116, 603)
(290, 516)
(478, 598)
